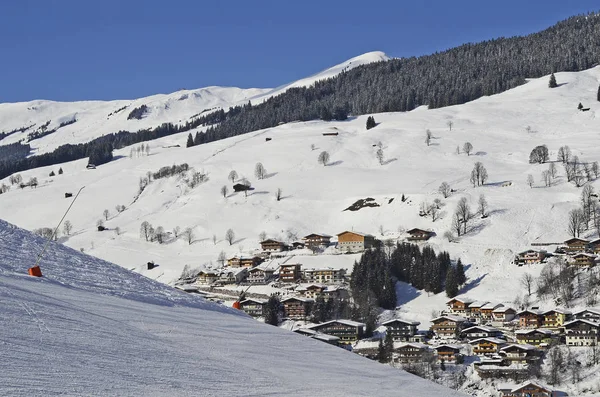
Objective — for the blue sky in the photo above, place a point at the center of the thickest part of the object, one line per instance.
(78, 49)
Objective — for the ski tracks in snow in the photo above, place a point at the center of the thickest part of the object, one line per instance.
(28, 308)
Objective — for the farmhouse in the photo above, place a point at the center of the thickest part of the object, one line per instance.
(419, 235)
(411, 352)
(354, 241)
(290, 273)
(582, 333)
(459, 306)
(240, 187)
(487, 310)
(207, 277)
(504, 314)
(316, 240)
(527, 389)
(576, 245)
(487, 346)
(555, 318)
(587, 314)
(233, 276)
(325, 275)
(253, 307)
(448, 353)
(535, 337)
(520, 353)
(258, 275)
(583, 259)
(529, 257)
(530, 319)
(475, 308)
(401, 330)
(348, 331)
(448, 326)
(297, 308)
(311, 291)
(272, 245)
(244, 262)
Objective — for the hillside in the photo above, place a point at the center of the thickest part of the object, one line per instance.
(92, 328)
(315, 196)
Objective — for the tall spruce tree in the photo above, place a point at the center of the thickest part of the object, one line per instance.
(451, 283)
(552, 82)
(598, 97)
(461, 279)
(272, 310)
(190, 141)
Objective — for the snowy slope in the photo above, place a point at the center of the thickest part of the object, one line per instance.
(314, 196)
(97, 118)
(92, 328)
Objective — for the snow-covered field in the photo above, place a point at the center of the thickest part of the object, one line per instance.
(315, 196)
(89, 327)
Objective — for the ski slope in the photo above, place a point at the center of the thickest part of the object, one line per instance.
(314, 196)
(89, 327)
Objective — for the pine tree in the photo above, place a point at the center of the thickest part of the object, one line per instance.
(460, 273)
(60, 171)
(598, 97)
(552, 82)
(190, 141)
(451, 283)
(51, 173)
(381, 351)
(319, 313)
(272, 310)
(580, 106)
(370, 122)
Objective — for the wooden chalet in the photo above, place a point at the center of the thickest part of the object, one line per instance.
(253, 307)
(207, 277)
(271, 245)
(526, 389)
(475, 308)
(594, 246)
(258, 275)
(311, 291)
(233, 276)
(290, 273)
(459, 306)
(348, 331)
(248, 262)
(419, 235)
(487, 346)
(354, 241)
(335, 292)
(325, 275)
(582, 333)
(587, 314)
(530, 319)
(480, 331)
(401, 330)
(555, 318)
(535, 337)
(448, 353)
(411, 352)
(583, 259)
(487, 311)
(520, 353)
(504, 314)
(316, 240)
(530, 257)
(297, 308)
(448, 326)
(574, 245)
(297, 245)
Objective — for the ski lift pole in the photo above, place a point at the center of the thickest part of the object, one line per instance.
(39, 258)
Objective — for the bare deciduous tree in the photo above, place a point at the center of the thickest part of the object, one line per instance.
(229, 236)
(467, 148)
(564, 154)
(176, 231)
(159, 234)
(189, 235)
(444, 189)
(262, 236)
(324, 158)
(457, 224)
(214, 239)
(428, 137)
(595, 169)
(575, 223)
(232, 176)
(464, 212)
(379, 155)
(552, 170)
(259, 171)
(547, 178)
(313, 147)
(106, 214)
(146, 230)
(67, 227)
(527, 282)
(100, 223)
(479, 174)
(482, 205)
(222, 258)
(530, 180)
(434, 212)
(117, 230)
(450, 123)
(278, 194)
(449, 236)
(224, 191)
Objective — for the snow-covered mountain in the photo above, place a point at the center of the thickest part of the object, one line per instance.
(91, 119)
(503, 129)
(89, 327)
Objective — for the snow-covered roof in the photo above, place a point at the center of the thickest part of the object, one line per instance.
(394, 320)
(416, 345)
(254, 300)
(450, 317)
(526, 311)
(355, 232)
(349, 323)
(503, 309)
(524, 346)
(317, 235)
(325, 337)
(531, 331)
(575, 239)
(454, 347)
(490, 340)
(561, 311)
(581, 320)
(592, 310)
(584, 254)
(529, 383)
(491, 306)
(462, 300)
(298, 298)
(478, 304)
(484, 328)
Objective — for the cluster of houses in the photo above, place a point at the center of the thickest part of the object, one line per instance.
(579, 252)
